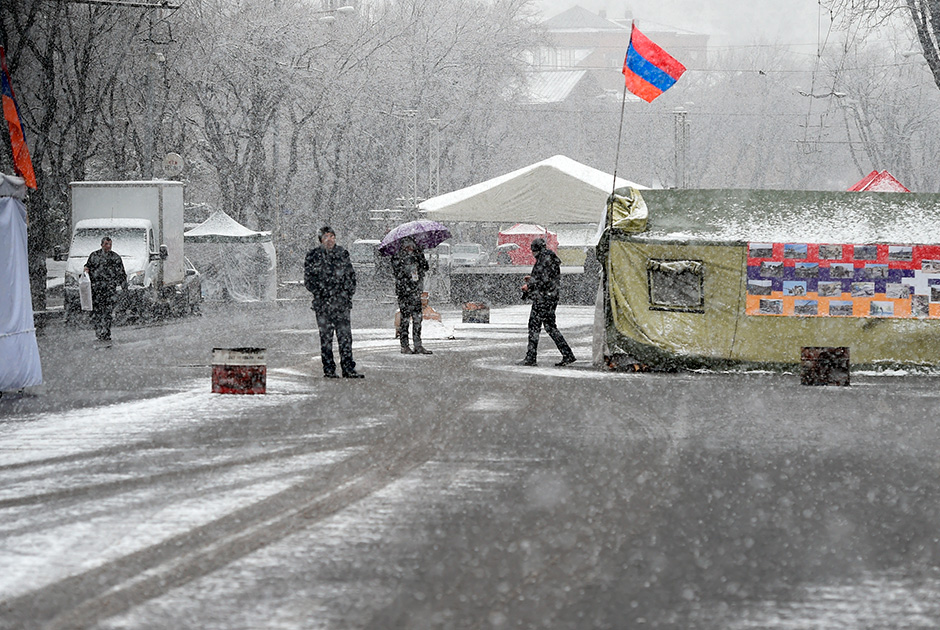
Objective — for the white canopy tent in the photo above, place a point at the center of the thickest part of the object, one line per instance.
(236, 263)
(19, 353)
(552, 192)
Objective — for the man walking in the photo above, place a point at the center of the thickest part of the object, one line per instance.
(330, 277)
(409, 266)
(105, 269)
(542, 288)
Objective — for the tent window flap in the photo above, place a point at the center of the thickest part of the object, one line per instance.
(676, 285)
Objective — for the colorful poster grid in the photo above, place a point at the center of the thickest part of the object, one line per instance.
(843, 280)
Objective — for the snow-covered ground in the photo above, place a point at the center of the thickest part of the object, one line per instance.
(455, 489)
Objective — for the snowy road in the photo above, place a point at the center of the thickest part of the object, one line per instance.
(458, 490)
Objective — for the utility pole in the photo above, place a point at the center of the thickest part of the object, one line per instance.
(410, 188)
(434, 157)
(154, 59)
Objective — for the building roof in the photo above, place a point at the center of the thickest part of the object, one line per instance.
(552, 86)
(580, 19)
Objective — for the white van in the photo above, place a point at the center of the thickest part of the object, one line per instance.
(363, 252)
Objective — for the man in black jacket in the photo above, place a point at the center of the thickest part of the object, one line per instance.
(330, 277)
(542, 288)
(105, 269)
(409, 266)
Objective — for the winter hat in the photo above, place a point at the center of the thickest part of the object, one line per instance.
(537, 245)
(324, 230)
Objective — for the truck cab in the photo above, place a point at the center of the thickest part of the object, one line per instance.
(132, 239)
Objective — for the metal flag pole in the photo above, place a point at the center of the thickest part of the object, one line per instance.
(605, 278)
(623, 106)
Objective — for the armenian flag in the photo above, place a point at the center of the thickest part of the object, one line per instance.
(649, 70)
(21, 160)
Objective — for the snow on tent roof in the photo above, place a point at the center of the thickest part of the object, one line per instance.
(524, 228)
(791, 216)
(879, 182)
(220, 228)
(553, 191)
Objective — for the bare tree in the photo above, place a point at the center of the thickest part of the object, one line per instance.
(891, 111)
(63, 58)
(924, 15)
(284, 120)
(358, 88)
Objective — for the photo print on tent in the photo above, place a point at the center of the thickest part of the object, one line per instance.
(843, 280)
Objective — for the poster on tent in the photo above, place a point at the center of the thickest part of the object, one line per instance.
(843, 280)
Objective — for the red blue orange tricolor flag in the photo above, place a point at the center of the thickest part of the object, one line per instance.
(21, 160)
(649, 70)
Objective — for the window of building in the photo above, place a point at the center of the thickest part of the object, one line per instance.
(676, 285)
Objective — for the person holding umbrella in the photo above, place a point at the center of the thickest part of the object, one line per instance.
(406, 244)
(330, 277)
(409, 266)
(541, 286)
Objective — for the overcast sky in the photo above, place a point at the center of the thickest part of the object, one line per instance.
(727, 21)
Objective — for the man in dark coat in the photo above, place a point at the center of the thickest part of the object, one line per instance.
(409, 266)
(542, 288)
(105, 269)
(330, 277)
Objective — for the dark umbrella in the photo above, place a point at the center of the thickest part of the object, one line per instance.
(426, 234)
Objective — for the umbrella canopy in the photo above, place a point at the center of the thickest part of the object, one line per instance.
(426, 234)
(507, 247)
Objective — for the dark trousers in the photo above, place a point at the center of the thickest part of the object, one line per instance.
(338, 323)
(409, 307)
(543, 314)
(102, 312)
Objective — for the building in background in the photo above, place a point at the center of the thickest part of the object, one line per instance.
(584, 52)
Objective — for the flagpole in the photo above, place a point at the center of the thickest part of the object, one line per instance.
(623, 106)
(605, 277)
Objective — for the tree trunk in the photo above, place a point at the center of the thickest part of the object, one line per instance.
(926, 17)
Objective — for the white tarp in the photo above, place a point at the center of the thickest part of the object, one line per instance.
(236, 263)
(555, 191)
(19, 352)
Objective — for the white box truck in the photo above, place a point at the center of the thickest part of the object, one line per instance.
(144, 220)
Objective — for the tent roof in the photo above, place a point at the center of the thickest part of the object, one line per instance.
(524, 228)
(220, 228)
(879, 182)
(553, 191)
(12, 186)
(737, 215)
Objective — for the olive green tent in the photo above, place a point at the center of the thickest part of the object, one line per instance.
(719, 277)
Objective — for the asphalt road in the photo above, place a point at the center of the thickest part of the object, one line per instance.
(458, 490)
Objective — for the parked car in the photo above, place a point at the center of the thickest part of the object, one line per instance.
(363, 252)
(440, 257)
(468, 255)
